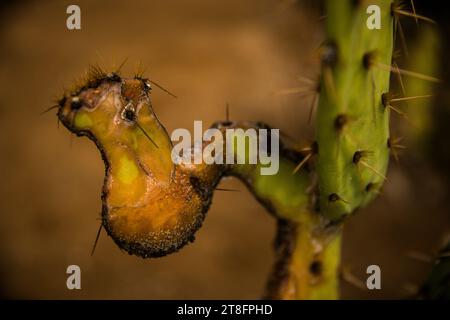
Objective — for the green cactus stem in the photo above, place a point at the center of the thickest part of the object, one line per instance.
(307, 245)
(424, 58)
(352, 126)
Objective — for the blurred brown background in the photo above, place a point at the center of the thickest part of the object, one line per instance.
(208, 53)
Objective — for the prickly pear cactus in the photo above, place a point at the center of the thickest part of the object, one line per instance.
(352, 126)
(153, 206)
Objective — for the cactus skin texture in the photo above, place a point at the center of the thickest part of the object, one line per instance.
(352, 124)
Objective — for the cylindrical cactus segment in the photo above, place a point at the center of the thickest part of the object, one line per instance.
(352, 128)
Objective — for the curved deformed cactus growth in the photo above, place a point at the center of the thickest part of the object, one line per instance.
(152, 207)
